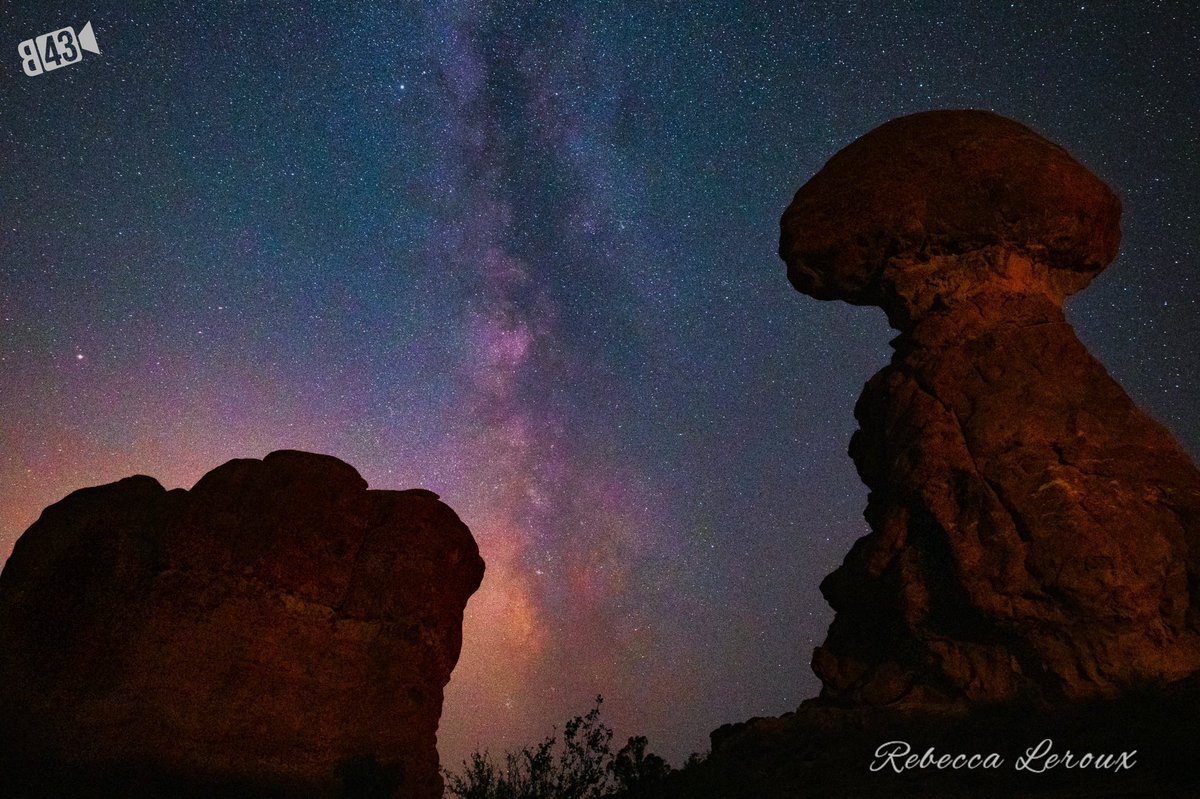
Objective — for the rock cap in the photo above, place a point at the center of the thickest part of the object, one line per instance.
(944, 183)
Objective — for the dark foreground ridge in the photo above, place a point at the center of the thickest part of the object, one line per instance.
(1032, 569)
(278, 630)
(825, 752)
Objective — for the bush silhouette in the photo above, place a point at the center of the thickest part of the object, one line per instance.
(582, 767)
(634, 769)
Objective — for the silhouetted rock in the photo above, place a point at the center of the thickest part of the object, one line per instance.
(1032, 531)
(276, 630)
(1032, 567)
(827, 752)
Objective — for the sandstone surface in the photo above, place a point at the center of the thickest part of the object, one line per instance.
(1033, 532)
(277, 630)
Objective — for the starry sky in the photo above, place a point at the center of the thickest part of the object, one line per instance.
(523, 254)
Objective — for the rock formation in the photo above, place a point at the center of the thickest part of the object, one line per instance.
(1031, 570)
(276, 630)
(1033, 533)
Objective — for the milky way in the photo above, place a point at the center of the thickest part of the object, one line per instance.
(522, 254)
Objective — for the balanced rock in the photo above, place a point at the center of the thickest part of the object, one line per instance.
(277, 630)
(1033, 533)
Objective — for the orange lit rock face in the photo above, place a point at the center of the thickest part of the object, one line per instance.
(277, 628)
(869, 227)
(1033, 533)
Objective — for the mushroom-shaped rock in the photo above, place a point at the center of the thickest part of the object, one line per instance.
(1033, 533)
(277, 631)
(865, 228)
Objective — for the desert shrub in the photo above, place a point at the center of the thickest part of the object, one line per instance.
(634, 769)
(581, 766)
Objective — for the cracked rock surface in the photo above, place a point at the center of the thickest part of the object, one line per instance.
(278, 629)
(1033, 532)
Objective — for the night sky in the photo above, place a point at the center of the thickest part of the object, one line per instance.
(523, 254)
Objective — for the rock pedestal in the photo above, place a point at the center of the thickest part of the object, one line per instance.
(1033, 533)
(277, 630)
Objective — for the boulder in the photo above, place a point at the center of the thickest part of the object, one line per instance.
(279, 629)
(1033, 533)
